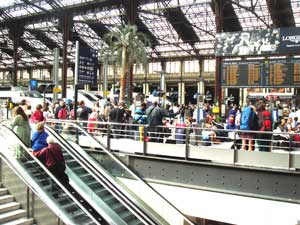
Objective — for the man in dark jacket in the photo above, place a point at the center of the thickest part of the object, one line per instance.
(83, 111)
(117, 115)
(155, 115)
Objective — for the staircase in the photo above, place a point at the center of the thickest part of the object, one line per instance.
(11, 212)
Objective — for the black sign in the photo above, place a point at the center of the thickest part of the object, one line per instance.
(262, 42)
(87, 66)
(261, 73)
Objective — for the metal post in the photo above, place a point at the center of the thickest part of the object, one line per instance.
(55, 72)
(187, 143)
(76, 79)
(290, 149)
(27, 202)
(105, 78)
(234, 147)
(144, 140)
(108, 136)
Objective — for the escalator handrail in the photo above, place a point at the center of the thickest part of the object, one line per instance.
(93, 168)
(124, 166)
(41, 165)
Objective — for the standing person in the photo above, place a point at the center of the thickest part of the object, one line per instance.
(54, 160)
(63, 112)
(117, 115)
(265, 124)
(37, 115)
(38, 139)
(248, 122)
(23, 104)
(21, 127)
(155, 115)
(83, 111)
(139, 118)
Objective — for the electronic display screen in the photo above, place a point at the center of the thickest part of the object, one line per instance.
(261, 73)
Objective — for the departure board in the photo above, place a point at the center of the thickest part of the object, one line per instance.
(278, 73)
(262, 73)
(295, 67)
(237, 73)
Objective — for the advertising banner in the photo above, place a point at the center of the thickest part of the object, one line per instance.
(262, 42)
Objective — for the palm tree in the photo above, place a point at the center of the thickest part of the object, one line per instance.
(127, 46)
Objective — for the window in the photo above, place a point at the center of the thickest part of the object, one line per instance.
(154, 67)
(209, 65)
(191, 66)
(173, 67)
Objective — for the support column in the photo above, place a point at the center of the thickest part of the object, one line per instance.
(146, 84)
(219, 29)
(21, 74)
(181, 86)
(243, 96)
(201, 83)
(146, 88)
(105, 78)
(162, 84)
(66, 35)
(181, 91)
(15, 33)
(29, 71)
(100, 85)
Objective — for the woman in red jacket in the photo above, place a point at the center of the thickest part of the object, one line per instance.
(37, 115)
(54, 160)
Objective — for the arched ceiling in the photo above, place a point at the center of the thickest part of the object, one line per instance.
(176, 28)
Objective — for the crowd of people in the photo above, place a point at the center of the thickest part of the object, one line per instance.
(252, 122)
(268, 126)
(42, 146)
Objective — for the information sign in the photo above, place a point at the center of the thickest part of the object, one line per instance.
(262, 73)
(87, 65)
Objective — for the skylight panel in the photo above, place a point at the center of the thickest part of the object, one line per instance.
(88, 35)
(261, 19)
(55, 35)
(8, 3)
(41, 26)
(110, 17)
(32, 41)
(158, 25)
(296, 11)
(201, 16)
(73, 2)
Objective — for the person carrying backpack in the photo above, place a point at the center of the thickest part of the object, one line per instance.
(248, 122)
(63, 112)
(265, 126)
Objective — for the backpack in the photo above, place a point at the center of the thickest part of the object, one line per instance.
(62, 114)
(247, 119)
(267, 123)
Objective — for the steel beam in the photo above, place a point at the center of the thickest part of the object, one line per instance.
(271, 184)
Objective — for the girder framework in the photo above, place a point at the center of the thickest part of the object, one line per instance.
(184, 28)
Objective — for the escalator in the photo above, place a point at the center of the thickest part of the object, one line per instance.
(66, 204)
(130, 196)
(101, 191)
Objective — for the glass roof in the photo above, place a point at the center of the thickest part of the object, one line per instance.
(251, 14)
(163, 31)
(260, 19)
(296, 11)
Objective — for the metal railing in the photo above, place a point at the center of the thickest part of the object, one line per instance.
(17, 164)
(82, 137)
(189, 141)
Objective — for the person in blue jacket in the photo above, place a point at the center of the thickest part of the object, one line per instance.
(39, 138)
